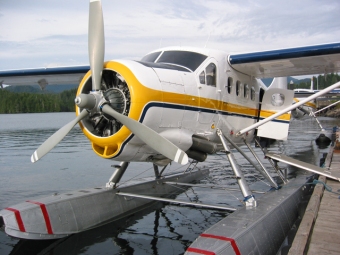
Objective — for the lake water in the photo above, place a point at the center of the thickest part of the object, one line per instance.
(72, 165)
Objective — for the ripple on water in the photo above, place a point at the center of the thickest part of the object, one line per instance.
(161, 229)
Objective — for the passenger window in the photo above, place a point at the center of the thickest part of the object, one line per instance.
(202, 77)
(252, 94)
(230, 84)
(238, 87)
(246, 91)
(211, 74)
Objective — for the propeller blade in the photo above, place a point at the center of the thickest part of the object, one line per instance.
(150, 137)
(53, 140)
(96, 42)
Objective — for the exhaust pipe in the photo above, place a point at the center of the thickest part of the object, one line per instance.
(197, 155)
(203, 145)
(200, 148)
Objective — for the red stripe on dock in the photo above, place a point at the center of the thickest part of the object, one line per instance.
(45, 214)
(18, 218)
(200, 251)
(223, 238)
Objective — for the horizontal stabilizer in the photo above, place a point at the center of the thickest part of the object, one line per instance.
(302, 165)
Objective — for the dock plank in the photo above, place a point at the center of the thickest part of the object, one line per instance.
(323, 252)
(325, 247)
(323, 232)
(322, 236)
(325, 237)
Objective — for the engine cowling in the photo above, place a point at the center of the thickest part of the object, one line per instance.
(125, 93)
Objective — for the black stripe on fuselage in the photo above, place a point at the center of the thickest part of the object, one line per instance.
(189, 108)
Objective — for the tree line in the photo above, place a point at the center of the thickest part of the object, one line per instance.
(13, 102)
(25, 102)
(319, 82)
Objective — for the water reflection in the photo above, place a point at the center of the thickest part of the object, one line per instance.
(160, 229)
(151, 231)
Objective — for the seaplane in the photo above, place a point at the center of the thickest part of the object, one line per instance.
(176, 104)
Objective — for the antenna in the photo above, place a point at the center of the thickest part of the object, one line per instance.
(207, 40)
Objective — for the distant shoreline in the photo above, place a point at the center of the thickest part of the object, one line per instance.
(334, 113)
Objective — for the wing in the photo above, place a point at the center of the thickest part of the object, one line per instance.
(44, 76)
(306, 60)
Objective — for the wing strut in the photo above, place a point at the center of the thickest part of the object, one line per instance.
(292, 107)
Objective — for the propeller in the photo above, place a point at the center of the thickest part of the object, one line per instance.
(150, 137)
(96, 42)
(53, 140)
(95, 101)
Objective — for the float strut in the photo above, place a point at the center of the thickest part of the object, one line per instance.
(155, 168)
(249, 198)
(265, 172)
(117, 174)
(313, 115)
(274, 164)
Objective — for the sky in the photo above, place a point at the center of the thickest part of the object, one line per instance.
(41, 33)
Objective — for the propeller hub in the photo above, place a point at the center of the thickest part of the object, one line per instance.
(87, 101)
(115, 93)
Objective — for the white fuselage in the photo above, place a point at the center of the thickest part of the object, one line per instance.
(179, 102)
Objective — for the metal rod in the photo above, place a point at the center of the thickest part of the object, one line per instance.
(302, 165)
(249, 198)
(264, 173)
(176, 201)
(327, 107)
(155, 169)
(209, 186)
(292, 107)
(273, 165)
(160, 174)
(313, 114)
(117, 174)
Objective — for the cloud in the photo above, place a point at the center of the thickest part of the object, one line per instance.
(37, 33)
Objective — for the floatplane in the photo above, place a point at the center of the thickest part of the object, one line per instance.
(177, 104)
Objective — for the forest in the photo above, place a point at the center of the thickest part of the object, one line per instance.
(24, 102)
(31, 101)
(319, 82)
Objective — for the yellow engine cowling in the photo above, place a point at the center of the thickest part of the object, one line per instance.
(119, 82)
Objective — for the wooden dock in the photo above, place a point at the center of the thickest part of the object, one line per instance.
(319, 230)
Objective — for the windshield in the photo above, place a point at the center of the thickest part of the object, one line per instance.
(151, 57)
(191, 60)
(188, 59)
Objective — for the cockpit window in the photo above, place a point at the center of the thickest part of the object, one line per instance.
(151, 57)
(208, 76)
(202, 77)
(188, 59)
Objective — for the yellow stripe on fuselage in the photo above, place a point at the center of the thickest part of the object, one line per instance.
(109, 147)
(310, 103)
